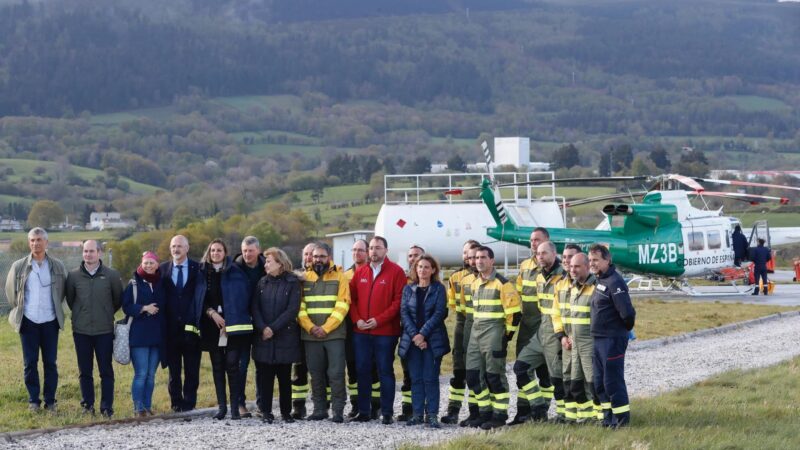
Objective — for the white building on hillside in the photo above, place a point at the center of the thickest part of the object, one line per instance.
(107, 221)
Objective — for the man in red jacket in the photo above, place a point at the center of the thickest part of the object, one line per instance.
(375, 292)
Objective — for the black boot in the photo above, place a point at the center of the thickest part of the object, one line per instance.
(755, 291)
(539, 413)
(234, 391)
(497, 421)
(218, 374)
(474, 413)
(523, 414)
(299, 411)
(406, 413)
(452, 415)
(376, 408)
(482, 418)
(353, 406)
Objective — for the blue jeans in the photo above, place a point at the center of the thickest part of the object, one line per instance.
(145, 362)
(44, 337)
(87, 348)
(380, 350)
(424, 371)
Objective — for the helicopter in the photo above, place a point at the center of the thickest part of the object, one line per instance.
(664, 235)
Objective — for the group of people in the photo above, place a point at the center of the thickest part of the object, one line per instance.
(571, 317)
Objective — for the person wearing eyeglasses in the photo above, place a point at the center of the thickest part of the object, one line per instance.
(94, 294)
(35, 291)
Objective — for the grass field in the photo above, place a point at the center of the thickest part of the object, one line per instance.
(265, 102)
(682, 317)
(25, 168)
(735, 410)
(774, 219)
(754, 103)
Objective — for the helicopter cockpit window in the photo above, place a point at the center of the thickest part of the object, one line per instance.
(714, 240)
(696, 240)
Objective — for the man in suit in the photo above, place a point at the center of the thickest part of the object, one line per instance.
(179, 276)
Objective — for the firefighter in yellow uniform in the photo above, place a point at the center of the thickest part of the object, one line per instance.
(496, 318)
(531, 394)
(561, 310)
(550, 274)
(479, 398)
(575, 336)
(324, 306)
(458, 383)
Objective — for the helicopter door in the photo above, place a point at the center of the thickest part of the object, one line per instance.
(760, 231)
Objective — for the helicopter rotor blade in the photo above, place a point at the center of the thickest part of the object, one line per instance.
(576, 180)
(747, 183)
(750, 198)
(602, 198)
(686, 181)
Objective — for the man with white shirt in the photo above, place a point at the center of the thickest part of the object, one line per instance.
(35, 291)
(179, 277)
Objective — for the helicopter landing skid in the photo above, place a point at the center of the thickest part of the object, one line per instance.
(683, 286)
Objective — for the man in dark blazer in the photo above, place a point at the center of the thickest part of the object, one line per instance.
(180, 276)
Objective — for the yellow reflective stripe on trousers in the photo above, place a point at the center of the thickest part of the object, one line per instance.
(530, 298)
(191, 329)
(621, 409)
(232, 328)
(320, 298)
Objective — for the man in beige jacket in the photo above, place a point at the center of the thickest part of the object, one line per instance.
(35, 291)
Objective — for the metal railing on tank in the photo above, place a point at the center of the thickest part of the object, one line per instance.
(431, 187)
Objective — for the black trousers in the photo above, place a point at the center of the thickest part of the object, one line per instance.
(265, 377)
(183, 358)
(225, 361)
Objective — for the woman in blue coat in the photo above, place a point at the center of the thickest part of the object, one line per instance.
(143, 301)
(424, 342)
(220, 316)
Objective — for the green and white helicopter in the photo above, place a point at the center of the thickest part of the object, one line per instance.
(664, 235)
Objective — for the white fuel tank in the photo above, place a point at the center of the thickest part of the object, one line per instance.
(441, 229)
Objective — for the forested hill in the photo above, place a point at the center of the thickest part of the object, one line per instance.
(548, 68)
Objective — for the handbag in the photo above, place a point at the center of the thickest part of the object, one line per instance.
(122, 329)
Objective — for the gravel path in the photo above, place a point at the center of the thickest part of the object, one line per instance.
(653, 367)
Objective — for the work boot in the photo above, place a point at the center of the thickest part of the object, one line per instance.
(299, 411)
(376, 408)
(482, 418)
(353, 406)
(406, 413)
(318, 415)
(495, 422)
(523, 414)
(474, 413)
(452, 415)
(755, 291)
(538, 414)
